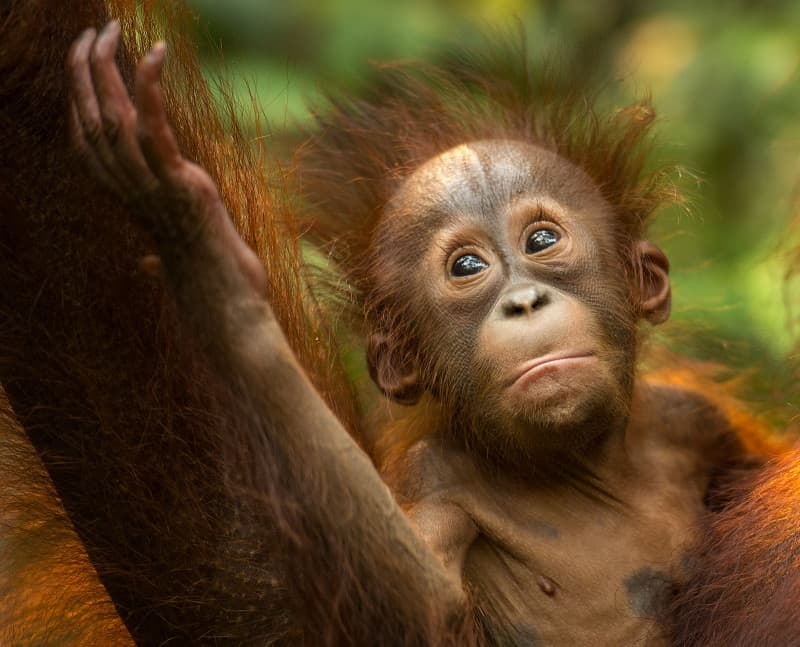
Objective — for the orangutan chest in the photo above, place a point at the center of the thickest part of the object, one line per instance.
(581, 574)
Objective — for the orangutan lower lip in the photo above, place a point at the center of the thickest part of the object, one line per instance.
(535, 365)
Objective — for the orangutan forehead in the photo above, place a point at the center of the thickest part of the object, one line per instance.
(478, 178)
(464, 177)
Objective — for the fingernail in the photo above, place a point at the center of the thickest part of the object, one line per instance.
(88, 33)
(112, 27)
(157, 50)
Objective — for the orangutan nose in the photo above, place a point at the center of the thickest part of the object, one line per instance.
(522, 301)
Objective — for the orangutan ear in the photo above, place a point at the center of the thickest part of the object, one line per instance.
(393, 369)
(655, 292)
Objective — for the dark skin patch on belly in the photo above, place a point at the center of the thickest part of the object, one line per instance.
(648, 591)
(543, 528)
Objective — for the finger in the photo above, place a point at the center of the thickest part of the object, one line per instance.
(80, 82)
(155, 135)
(114, 105)
(89, 122)
(87, 153)
(117, 112)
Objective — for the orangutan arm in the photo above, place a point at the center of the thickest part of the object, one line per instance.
(219, 288)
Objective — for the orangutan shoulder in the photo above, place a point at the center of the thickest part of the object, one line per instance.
(686, 418)
(431, 469)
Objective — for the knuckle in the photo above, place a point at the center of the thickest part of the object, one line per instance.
(128, 121)
(206, 190)
(203, 193)
(92, 132)
(182, 174)
(148, 184)
(146, 141)
(78, 145)
(111, 128)
(143, 134)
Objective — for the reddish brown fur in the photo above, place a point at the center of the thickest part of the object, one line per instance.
(199, 529)
(49, 591)
(744, 587)
(94, 366)
(745, 584)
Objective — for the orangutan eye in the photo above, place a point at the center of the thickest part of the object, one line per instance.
(540, 240)
(467, 265)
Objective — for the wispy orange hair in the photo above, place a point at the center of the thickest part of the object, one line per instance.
(364, 147)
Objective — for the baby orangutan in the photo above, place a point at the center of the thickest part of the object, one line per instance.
(491, 236)
(561, 492)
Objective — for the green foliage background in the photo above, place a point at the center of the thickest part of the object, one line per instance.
(724, 76)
